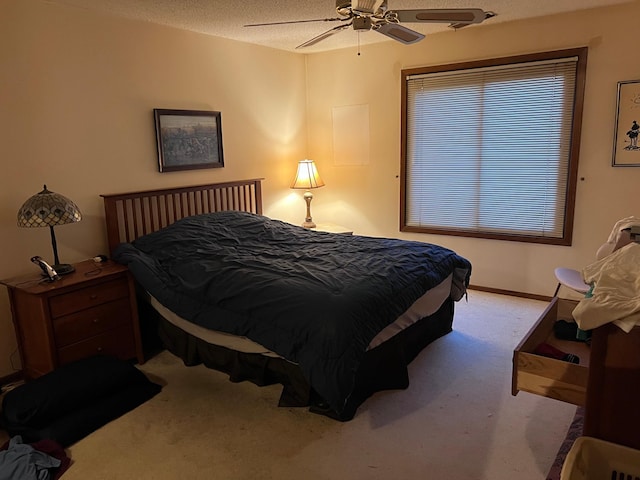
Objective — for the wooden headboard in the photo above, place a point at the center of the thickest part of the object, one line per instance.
(131, 215)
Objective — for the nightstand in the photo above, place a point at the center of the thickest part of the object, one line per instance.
(91, 311)
(332, 228)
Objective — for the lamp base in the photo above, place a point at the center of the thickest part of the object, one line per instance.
(63, 268)
(309, 225)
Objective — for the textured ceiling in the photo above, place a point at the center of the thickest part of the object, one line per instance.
(226, 18)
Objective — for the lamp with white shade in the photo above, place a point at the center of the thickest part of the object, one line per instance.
(307, 178)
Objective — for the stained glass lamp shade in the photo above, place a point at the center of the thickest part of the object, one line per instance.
(48, 209)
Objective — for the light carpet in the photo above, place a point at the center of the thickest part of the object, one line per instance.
(457, 420)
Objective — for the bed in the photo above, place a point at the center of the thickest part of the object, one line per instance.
(333, 318)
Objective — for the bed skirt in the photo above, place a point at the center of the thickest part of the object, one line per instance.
(383, 368)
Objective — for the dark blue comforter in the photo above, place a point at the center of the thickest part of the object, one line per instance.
(315, 298)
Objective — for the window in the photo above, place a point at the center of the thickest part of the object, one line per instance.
(490, 148)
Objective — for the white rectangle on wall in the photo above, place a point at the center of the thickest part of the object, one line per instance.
(351, 135)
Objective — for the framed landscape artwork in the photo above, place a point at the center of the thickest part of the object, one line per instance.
(626, 149)
(188, 139)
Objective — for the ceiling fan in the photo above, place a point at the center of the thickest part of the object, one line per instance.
(365, 15)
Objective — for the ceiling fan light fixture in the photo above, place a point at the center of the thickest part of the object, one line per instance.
(362, 23)
(365, 7)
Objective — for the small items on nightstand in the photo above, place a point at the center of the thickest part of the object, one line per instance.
(48, 272)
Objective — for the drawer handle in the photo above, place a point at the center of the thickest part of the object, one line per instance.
(96, 320)
(99, 349)
(93, 296)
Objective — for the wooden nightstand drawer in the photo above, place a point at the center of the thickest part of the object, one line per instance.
(88, 297)
(118, 342)
(92, 321)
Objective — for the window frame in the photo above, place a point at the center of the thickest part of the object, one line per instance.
(576, 129)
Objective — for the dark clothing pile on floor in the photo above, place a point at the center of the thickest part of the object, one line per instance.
(42, 460)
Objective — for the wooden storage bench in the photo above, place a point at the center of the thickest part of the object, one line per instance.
(546, 376)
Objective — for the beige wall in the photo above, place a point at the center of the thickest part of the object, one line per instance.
(366, 197)
(77, 92)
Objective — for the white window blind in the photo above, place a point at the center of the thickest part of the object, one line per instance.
(488, 149)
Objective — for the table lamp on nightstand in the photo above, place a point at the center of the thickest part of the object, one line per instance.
(48, 209)
(307, 177)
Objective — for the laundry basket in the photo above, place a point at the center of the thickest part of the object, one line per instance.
(594, 459)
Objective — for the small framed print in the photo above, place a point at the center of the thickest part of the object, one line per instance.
(188, 139)
(626, 145)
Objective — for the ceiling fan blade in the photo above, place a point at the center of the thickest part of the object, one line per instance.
(399, 33)
(324, 35)
(487, 15)
(443, 15)
(295, 21)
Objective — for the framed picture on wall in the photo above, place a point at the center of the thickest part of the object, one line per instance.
(188, 139)
(626, 144)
